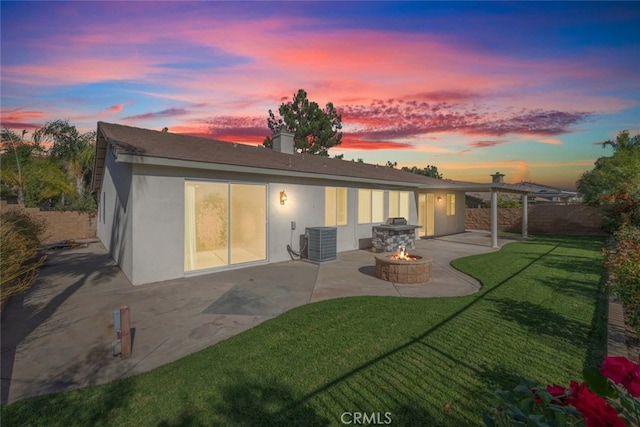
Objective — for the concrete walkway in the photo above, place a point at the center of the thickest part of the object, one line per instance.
(58, 336)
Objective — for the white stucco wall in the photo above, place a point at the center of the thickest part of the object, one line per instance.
(158, 225)
(449, 224)
(114, 213)
(147, 236)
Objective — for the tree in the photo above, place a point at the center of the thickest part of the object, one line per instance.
(17, 155)
(614, 182)
(69, 146)
(45, 181)
(315, 130)
(429, 170)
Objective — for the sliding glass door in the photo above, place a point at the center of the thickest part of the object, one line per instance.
(225, 224)
(248, 223)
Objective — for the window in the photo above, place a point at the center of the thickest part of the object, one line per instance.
(377, 206)
(451, 204)
(370, 206)
(364, 206)
(104, 207)
(335, 206)
(399, 204)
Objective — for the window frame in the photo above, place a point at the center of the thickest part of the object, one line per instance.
(339, 214)
(367, 198)
(451, 204)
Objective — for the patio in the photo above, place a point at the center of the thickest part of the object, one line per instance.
(59, 335)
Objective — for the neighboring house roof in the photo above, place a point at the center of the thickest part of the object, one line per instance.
(543, 190)
(135, 145)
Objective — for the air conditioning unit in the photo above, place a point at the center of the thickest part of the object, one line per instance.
(322, 243)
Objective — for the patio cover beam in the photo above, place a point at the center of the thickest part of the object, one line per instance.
(525, 215)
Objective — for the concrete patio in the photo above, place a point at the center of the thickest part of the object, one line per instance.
(58, 336)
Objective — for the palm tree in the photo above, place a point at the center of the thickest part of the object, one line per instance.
(10, 176)
(623, 141)
(76, 150)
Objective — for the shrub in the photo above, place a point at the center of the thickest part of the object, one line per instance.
(623, 264)
(19, 240)
(609, 396)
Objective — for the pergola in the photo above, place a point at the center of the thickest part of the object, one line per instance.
(495, 187)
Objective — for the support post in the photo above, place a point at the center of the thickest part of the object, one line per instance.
(125, 333)
(494, 218)
(525, 216)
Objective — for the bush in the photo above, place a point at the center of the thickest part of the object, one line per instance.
(19, 240)
(623, 264)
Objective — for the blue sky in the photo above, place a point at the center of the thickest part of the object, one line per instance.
(526, 88)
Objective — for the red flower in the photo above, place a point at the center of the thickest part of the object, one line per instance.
(595, 411)
(622, 371)
(616, 368)
(556, 390)
(633, 383)
(559, 394)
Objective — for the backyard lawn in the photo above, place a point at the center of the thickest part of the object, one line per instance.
(541, 314)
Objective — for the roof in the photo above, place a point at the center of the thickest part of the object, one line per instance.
(136, 145)
(545, 190)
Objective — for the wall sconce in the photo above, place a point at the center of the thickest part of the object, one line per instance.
(439, 199)
(283, 197)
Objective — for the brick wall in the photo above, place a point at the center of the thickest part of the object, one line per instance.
(62, 225)
(543, 219)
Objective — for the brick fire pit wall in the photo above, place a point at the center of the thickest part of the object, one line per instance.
(402, 271)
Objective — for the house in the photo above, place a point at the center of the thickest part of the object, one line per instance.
(541, 193)
(172, 206)
(537, 194)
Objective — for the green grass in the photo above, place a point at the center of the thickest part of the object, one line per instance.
(541, 315)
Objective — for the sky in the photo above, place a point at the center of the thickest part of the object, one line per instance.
(530, 89)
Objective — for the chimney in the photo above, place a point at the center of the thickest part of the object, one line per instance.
(283, 142)
(497, 178)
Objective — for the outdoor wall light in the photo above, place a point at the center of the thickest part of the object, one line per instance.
(283, 197)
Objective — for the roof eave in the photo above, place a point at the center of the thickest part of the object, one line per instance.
(190, 164)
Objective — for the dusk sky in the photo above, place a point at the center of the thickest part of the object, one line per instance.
(525, 88)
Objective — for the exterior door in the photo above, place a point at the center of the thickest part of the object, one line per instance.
(426, 214)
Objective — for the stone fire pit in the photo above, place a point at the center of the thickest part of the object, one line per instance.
(414, 271)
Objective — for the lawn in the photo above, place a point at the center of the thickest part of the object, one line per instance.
(541, 314)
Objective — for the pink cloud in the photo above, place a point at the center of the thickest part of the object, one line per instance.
(552, 141)
(238, 129)
(351, 142)
(399, 119)
(485, 144)
(169, 112)
(22, 119)
(114, 109)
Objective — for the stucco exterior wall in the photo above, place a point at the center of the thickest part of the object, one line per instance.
(158, 225)
(114, 213)
(305, 206)
(143, 227)
(449, 224)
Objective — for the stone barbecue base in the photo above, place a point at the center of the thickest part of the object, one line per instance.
(402, 271)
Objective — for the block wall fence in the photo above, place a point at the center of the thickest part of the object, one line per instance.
(543, 219)
(61, 225)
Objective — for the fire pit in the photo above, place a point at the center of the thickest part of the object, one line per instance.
(402, 267)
